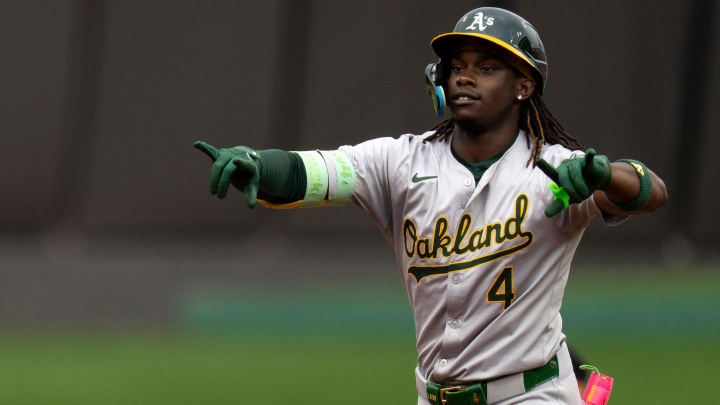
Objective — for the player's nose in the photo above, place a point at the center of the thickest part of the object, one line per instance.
(464, 80)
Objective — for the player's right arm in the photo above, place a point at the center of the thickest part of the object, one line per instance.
(280, 179)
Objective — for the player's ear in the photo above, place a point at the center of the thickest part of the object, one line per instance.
(524, 88)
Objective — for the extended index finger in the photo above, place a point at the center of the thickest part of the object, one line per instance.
(207, 149)
(549, 170)
(589, 155)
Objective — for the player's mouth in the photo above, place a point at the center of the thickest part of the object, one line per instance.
(464, 98)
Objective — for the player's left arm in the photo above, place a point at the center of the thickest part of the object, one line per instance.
(626, 185)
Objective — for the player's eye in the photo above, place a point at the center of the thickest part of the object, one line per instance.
(456, 69)
(487, 68)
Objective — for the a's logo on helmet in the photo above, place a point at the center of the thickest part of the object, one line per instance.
(480, 22)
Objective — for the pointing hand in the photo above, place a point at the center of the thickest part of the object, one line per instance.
(576, 179)
(237, 165)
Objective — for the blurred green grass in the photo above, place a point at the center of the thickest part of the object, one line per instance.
(657, 333)
(202, 370)
(112, 370)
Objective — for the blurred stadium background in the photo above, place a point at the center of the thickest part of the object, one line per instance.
(122, 281)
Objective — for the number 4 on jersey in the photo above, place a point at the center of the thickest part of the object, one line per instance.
(502, 289)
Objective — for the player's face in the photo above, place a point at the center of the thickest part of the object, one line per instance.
(482, 88)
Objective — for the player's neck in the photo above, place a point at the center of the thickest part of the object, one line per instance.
(476, 146)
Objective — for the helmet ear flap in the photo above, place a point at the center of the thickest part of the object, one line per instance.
(434, 87)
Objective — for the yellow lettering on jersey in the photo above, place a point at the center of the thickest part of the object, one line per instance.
(483, 237)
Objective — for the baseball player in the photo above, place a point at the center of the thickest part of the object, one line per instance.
(484, 213)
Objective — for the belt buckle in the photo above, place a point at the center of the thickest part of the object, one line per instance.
(443, 401)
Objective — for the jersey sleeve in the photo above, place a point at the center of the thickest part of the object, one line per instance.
(373, 162)
(577, 215)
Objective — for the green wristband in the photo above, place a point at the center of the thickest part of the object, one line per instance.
(645, 187)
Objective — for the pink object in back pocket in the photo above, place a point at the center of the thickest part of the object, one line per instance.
(597, 391)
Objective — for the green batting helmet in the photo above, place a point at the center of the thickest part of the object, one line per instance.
(516, 38)
(505, 29)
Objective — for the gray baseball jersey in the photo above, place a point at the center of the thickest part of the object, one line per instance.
(483, 267)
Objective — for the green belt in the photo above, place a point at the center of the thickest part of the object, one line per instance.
(476, 394)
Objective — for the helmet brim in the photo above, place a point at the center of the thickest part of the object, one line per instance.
(442, 43)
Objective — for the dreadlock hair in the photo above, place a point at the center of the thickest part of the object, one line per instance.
(539, 123)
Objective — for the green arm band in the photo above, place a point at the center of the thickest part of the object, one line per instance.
(645, 187)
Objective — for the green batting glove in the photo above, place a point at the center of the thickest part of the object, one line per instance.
(237, 166)
(576, 179)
